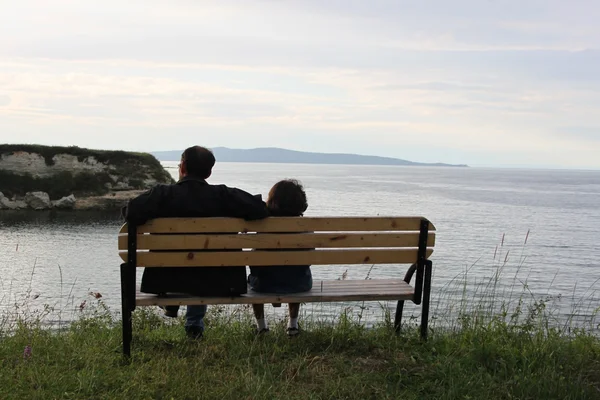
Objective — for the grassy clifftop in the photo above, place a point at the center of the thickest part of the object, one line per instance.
(95, 172)
(342, 360)
(113, 157)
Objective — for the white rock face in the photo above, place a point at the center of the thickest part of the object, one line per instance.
(7, 204)
(38, 200)
(66, 203)
(34, 164)
(122, 186)
(4, 202)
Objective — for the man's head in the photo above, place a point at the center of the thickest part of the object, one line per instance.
(196, 161)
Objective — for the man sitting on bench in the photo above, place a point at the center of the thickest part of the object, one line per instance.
(192, 196)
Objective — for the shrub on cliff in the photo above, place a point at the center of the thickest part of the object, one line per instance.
(58, 185)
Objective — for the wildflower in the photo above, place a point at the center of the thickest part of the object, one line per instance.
(82, 305)
(27, 352)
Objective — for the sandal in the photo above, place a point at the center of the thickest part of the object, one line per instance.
(293, 331)
(261, 332)
(169, 312)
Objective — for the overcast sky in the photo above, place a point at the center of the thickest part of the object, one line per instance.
(482, 82)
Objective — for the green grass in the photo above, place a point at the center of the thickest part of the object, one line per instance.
(341, 360)
(491, 343)
(58, 185)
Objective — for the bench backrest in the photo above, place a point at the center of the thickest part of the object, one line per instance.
(198, 242)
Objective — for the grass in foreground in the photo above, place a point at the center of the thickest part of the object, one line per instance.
(341, 360)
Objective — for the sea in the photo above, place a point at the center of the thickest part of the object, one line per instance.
(507, 239)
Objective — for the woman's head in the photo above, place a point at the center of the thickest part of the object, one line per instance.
(287, 199)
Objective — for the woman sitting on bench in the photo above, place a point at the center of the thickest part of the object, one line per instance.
(286, 199)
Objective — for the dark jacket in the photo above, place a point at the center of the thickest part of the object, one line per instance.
(191, 197)
(281, 279)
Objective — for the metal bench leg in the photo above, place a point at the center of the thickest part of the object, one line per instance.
(398, 319)
(400, 306)
(127, 332)
(126, 312)
(128, 286)
(426, 298)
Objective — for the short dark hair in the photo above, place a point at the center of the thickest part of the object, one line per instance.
(198, 161)
(287, 199)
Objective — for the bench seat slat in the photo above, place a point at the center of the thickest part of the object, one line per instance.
(322, 291)
(279, 224)
(275, 258)
(275, 241)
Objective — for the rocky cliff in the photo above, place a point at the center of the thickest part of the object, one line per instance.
(42, 177)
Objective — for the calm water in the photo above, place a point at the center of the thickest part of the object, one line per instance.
(58, 258)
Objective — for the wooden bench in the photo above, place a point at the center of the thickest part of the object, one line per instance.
(331, 241)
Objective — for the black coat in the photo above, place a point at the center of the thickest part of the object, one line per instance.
(193, 197)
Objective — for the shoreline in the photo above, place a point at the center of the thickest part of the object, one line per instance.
(112, 201)
(107, 202)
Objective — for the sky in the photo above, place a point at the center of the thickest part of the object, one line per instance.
(486, 83)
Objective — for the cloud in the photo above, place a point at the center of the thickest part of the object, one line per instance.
(482, 80)
(583, 133)
(435, 86)
(341, 103)
(4, 100)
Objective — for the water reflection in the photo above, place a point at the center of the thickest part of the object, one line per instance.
(60, 218)
(61, 256)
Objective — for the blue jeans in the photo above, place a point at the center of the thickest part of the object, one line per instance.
(194, 315)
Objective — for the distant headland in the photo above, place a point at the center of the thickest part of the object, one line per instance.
(278, 155)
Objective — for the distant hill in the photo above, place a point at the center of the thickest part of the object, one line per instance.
(276, 155)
